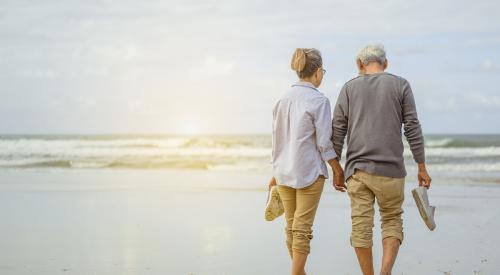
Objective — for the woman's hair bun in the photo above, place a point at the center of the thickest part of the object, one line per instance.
(299, 60)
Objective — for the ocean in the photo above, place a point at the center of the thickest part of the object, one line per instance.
(452, 158)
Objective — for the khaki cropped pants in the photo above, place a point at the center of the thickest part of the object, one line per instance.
(300, 209)
(363, 188)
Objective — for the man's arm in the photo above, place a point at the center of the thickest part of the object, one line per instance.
(340, 119)
(413, 134)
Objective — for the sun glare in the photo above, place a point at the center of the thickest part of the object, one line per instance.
(190, 129)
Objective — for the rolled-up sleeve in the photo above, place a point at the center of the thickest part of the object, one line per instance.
(322, 122)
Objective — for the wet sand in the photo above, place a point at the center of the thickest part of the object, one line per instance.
(199, 222)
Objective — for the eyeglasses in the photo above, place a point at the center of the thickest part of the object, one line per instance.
(323, 70)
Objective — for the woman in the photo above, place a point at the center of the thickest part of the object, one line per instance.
(301, 145)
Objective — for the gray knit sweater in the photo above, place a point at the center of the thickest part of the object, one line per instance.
(370, 111)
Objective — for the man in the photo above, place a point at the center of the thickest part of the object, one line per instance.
(370, 111)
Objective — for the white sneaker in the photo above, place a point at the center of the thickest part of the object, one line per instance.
(426, 211)
(274, 206)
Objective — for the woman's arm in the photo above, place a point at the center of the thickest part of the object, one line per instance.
(272, 183)
(323, 126)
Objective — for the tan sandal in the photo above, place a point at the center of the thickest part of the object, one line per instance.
(274, 206)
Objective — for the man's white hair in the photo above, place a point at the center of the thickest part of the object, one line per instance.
(372, 53)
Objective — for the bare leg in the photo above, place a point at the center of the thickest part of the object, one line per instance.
(365, 259)
(298, 263)
(391, 248)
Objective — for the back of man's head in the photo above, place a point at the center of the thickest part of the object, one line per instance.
(372, 53)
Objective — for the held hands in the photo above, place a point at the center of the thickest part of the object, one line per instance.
(338, 175)
(338, 181)
(423, 177)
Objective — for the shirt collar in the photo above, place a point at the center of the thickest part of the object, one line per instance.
(305, 84)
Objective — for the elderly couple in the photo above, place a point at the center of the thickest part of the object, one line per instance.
(370, 110)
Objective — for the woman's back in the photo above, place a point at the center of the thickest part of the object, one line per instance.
(301, 136)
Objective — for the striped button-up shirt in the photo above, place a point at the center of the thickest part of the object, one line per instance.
(302, 133)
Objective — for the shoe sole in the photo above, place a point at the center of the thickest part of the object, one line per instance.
(272, 196)
(419, 201)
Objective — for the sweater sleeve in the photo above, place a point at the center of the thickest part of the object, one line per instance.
(412, 128)
(340, 119)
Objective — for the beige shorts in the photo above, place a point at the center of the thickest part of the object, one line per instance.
(363, 188)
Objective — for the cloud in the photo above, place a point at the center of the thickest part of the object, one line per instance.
(444, 105)
(212, 67)
(158, 53)
(489, 65)
(87, 102)
(482, 41)
(140, 107)
(43, 74)
(484, 101)
(121, 52)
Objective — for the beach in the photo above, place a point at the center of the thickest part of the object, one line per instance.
(139, 137)
(179, 221)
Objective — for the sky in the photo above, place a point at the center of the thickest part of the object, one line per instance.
(218, 66)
